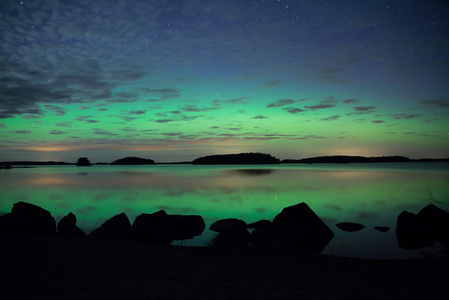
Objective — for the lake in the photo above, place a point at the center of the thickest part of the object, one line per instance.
(369, 194)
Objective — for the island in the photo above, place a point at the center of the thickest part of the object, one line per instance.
(234, 159)
(83, 162)
(133, 161)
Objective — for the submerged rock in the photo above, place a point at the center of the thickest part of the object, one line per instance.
(350, 227)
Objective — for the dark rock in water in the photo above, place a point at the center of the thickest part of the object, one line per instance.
(152, 227)
(411, 232)
(227, 224)
(231, 233)
(262, 236)
(162, 228)
(260, 224)
(186, 227)
(350, 227)
(117, 225)
(436, 222)
(299, 226)
(26, 218)
(382, 228)
(67, 225)
(422, 230)
(83, 162)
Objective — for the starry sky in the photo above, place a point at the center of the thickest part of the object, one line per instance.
(176, 80)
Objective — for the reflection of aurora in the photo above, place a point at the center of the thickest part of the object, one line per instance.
(336, 194)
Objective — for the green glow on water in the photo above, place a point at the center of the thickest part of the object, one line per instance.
(337, 193)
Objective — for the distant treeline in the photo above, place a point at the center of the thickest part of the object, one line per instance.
(234, 159)
(344, 159)
(240, 158)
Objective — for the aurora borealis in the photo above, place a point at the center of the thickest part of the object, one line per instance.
(176, 80)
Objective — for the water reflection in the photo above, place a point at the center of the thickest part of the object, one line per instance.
(337, 194)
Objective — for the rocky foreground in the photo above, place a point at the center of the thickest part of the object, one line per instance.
(68, 267)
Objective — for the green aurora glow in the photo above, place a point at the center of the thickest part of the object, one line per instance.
(173, 81)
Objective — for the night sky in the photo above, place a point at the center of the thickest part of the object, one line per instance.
(175, 80)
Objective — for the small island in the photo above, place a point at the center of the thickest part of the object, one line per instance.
(236, 159)
(133, 161)
(83, 162)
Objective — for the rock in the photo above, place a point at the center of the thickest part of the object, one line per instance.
(411, 232)
(262, 236)
(227, 224)
(231, 233)
(117, 225)
(436, 222)
(162, 228)
(350, 227)
(67, 225)
(186, 227)
(382, 228)
(83, 162)
(26, 218)
(260, 224)
(299, 226)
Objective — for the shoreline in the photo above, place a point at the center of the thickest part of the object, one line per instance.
(61, 266)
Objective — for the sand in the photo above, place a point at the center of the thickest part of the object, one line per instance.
(61, 267)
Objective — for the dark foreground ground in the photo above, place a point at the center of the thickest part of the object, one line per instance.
(86, 268)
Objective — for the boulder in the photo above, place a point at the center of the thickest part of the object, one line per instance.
(262, 236)
(436, 222)
(26, 218)
(350, 227)
(117, 225)
(382, 228)
(299, 226)
(231, 233)
(186, 227)
(67, 225)
(260, 224)
(411, 232)
(162, 228)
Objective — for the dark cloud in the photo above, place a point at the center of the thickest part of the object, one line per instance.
(377, 121)
(260, 117)
(162, 94)
(405, 116)
(351, 100)
(57, 132)
(20, 132)
(57, 110)
(281, 102)
(306, 137)
(442, 103)
(137, 112)
(331, 118)
(320, 106)
(102, 132)
(293, 110)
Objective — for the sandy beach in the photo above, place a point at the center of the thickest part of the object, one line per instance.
(62, 267)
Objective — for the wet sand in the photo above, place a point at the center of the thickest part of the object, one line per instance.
(61, 267)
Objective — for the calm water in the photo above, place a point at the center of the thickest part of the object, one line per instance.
(370, 194)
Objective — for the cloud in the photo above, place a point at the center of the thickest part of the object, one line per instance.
(57, 110)
(260, 117)
(293, 110)
(331, 118)
(102, 132)
(20, 132)
(442, 103)
(351, 100)
(281, 102)
(377, 121)
(137, 112)
(306, 137)
(320, 106)
(272, 83)
(162, 94)
(57, 132)
(404, 116)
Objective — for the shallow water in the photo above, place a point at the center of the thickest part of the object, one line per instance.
(370, 194)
